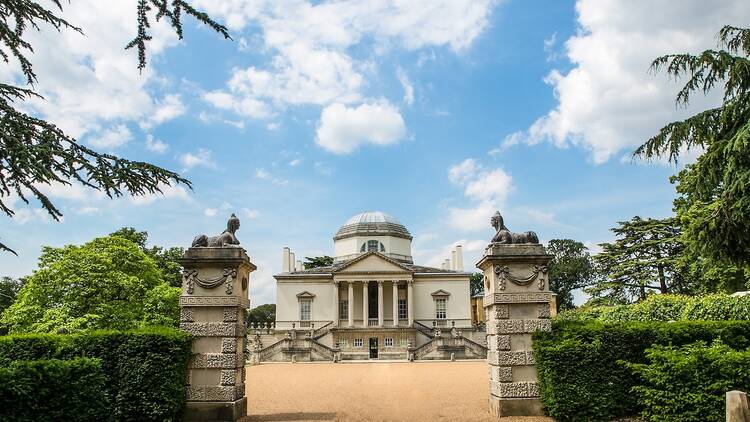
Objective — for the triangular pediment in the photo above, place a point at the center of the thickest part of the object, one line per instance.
(372, 262)
(305, 295)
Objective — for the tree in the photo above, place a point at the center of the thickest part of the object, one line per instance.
(476, 283)
(166, 259)
(107, 283)
(571, 268)
(9, 288)
(35, 152)
(263, 314)
(318, 261)
(644, 257)
(713, 203)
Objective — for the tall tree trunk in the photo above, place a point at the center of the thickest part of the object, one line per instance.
(643, 292)
(662, 279)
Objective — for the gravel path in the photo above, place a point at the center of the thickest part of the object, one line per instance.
(423, 391)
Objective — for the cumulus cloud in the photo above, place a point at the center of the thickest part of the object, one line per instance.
(111, 138)
(167, 192)
(343, 129)
(407, 85)
(164, 110)
(210, 212)
(155, 145)
(487, 189)
(200, 158)
(608, 102)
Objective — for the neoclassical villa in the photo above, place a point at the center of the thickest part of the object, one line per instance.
(374, 301)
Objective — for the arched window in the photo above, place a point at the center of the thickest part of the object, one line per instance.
(372, 245)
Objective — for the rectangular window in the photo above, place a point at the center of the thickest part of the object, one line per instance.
(304, 309)
(388, 342)
(403, 342)
(402, 309)
(357, 342)
(344, 309)
(440, 308)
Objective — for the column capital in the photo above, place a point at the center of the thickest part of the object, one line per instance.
(336, 282)
(380, 282)
(409, 282)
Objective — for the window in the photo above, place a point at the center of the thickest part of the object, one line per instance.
(372, 245)
(388, 342)
(440, 308)
(403, 342)
(402, 311)
(344, 309)
(304, 309)
(357, 342)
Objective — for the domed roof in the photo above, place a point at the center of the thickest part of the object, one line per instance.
(372, 223)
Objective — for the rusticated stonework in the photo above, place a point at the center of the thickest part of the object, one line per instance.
(216, 361)
(502, 312)
(503, 342)
(213, 329)
(517, 358)
(231, 314)
(186, 314)
(229, 345)
(516, 389)
(504, 374)
(228, 376)
(215, 393)
(543, 311)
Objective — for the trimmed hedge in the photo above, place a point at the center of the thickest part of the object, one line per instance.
(53, 390)
(582, 371)
(689, 383)
(719, 307)
(144, 370)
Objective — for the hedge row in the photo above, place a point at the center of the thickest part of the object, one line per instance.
(667, 308)
(583, 366)
(53, 390)
(689, 383)
(144, 370)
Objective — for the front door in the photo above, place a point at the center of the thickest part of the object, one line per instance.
(373, 347)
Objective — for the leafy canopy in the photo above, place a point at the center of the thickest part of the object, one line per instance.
(166, 259)
(713, 206)
(107, 283)
(571, 268)
(317, 261)
(34, 152)
(263, 314)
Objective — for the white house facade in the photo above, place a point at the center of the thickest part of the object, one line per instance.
(373, 301)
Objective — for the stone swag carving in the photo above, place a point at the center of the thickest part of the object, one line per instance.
(191, 279)
(505, 236)
(224, 240)
(503, 276)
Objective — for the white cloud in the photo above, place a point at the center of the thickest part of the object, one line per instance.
(311, 44)
(250, 214)
(488, 189)
(114, 137)
(155, 145)
(164, 110)
(342, 129)
(295, 162)
(262, 174)
(609, 102)
(88, 210)
(210, 212)
(200, 158)
(167, 192)
(89, 81)
(407, 85)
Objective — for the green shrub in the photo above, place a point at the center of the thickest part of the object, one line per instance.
(582, 376)
(53, 390)
(144, 370)
(715, 307)
(689, 383)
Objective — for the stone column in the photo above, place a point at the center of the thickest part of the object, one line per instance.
(380, 303)
(212, 308)
(410, 301)
(365, 304)
(395, 303)
(516, 303)
(336, 305)
(350, 311)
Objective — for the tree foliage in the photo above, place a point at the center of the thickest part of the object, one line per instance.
(571, 268)
(9, 288)
(318, 261)
(263, 314)
(644, 257)
(476, 283)
(713, 204)
(34, 152)
(107, 283)
(166, 259)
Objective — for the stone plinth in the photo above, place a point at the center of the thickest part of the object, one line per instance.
(214, 297)
(516, 303)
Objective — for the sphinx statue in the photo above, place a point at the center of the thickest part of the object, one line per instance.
(505, 236)
(225, 239)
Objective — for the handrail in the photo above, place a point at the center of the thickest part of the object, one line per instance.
(475, 347)
(318, 331)
(321, 348)
(264, 354)
(427, 331)
(423, 349)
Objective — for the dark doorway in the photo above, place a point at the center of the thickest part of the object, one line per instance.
(373, 347)
(372, 299)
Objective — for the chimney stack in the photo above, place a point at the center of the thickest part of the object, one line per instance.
(285, 260)
(300, 267)
(292, 261)
(454, 261)
(459, 258)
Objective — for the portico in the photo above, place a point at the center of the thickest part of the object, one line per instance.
(383, 303)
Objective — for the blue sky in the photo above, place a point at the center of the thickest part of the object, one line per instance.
(437, 113)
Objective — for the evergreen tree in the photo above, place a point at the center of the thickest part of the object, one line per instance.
(35, 152)
(713, 204)
(263, 314)
(572, 268)
(646, 256)
(318, 261)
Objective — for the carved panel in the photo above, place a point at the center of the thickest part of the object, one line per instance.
(212, 329)
(190, 277)
(216, 361)
(543, 312)
(524, 297)
(214, 301)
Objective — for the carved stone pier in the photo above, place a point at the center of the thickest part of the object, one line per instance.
(213, 302)
(516, 304)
